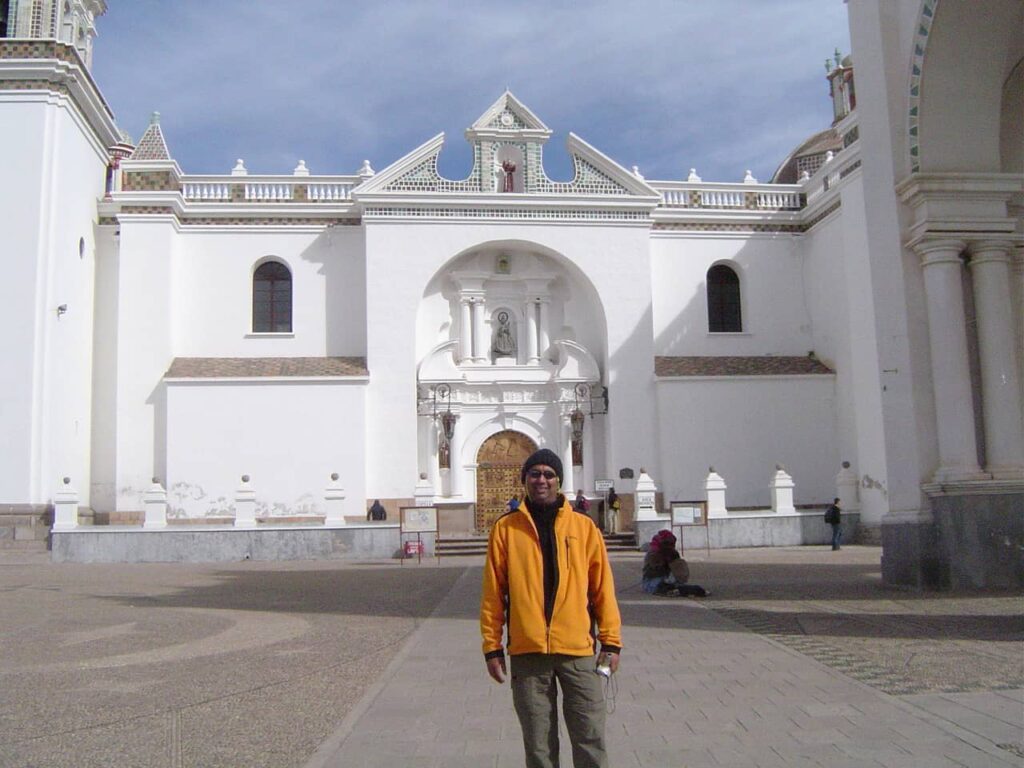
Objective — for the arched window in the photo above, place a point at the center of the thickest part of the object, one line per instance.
(272, 298)
(724, 300)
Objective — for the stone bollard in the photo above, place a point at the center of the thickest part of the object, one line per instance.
(646, 493)
(846, 488)
(334, 502)
(714, 492)
(782, 491)
(245, 505)
(65, 508)
(424, 492)
(155, 502)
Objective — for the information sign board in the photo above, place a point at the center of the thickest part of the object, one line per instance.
(419, 519)
(603, 486)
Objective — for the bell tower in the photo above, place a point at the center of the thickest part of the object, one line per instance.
(68, 21)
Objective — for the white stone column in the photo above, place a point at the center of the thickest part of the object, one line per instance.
(951, 378)
(480, 338)
(154, 501)
(588, 457)
(245, 505)
(334, 503)
(714, 492)
(65, 507)
(568, 480)
(847, 483)
(465, 331)
(1000, 359)
(455, 479)
(782, 491)
(544, 331)
(531, 332)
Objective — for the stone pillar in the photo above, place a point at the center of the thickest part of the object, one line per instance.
(847, 484)
(334, 503)
(424, 492)
(568, 479)
(65, 507)
(782, 491)
(646, 495)
(455, 473)
(951, 378)
(1000, 360)
(479, 337)
(714, 492)
(245, 505)
(587, 480)
(155, 503)
(531, 333)
(543, 332)
(465, 331)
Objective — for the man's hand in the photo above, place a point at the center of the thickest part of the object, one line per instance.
(496, 668)
(612, 660)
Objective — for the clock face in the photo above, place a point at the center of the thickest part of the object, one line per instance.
(506, 119)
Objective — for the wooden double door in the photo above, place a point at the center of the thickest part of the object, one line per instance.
(499, 463)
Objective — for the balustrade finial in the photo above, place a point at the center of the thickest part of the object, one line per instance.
(693, 175)
(239, 169)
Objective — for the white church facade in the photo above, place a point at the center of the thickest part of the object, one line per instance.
(394, 330)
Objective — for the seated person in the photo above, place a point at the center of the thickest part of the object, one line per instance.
(665, 572)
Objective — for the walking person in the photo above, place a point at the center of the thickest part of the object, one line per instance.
(833, 517)
(546, 550)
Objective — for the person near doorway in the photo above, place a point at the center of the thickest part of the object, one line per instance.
(546, 549)
(612, 512)
(833, 516)
(377, 512)
(580, 503)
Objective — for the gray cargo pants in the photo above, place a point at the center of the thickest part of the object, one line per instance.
(535, 681)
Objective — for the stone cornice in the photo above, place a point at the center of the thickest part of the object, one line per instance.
(961, 205)
(52, 66)
(973, 488)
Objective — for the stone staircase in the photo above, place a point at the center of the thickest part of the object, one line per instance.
(465, 546)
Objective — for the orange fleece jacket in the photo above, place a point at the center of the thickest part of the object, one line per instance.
(515, 569)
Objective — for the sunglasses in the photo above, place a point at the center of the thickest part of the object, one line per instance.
(536, 474)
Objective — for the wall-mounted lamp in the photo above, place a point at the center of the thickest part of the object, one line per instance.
(62, 309)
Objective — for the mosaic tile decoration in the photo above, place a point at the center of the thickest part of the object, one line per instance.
(924, 28)
(507, 213)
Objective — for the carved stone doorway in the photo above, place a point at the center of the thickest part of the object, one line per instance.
(499, 462)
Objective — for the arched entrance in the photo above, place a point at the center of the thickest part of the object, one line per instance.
(499, 462)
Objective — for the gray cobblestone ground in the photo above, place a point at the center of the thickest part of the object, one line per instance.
(798, 658)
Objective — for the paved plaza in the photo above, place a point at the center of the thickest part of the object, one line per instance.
(800, 657)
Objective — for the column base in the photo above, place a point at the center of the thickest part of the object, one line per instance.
(1006, 473)
(959, 474)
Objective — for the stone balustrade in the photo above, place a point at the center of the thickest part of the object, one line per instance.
(763, 197)
(268, 189)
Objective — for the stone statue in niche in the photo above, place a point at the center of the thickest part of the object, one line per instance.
(509, 168)
(504, 339)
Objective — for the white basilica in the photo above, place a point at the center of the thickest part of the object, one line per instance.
(852, 326)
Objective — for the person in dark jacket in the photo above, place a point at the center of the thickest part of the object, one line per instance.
(665, 572)
(833, 516)
(377, 512)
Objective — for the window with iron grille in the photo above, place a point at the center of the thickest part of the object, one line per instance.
(724, 314)
(272, 298)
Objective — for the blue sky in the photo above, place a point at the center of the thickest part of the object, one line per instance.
(719, 85)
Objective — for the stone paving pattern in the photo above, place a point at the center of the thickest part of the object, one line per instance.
(800, 657)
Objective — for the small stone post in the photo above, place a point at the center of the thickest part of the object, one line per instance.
(714, 492)
(155, 502)
(65, 508)
(334, 502)
(782, 491)
(424, 493)
(846, 488)
(646, 492)
(245, 505)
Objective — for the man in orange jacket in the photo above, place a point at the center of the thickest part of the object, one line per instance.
(547, 576)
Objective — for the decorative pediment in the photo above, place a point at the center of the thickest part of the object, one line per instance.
(508, 117)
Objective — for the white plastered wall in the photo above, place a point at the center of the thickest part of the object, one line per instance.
(288, 436)
(49, 233)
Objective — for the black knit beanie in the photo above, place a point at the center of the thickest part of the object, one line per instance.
(544, 456)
